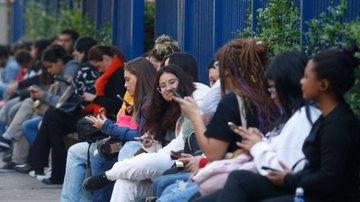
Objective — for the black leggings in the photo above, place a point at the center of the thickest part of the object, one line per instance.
(245, 186)
(54, 127)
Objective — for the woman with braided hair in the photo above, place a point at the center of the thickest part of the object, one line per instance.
(242, 63)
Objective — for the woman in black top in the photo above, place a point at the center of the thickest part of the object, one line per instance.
(331, 149)
(241, 63)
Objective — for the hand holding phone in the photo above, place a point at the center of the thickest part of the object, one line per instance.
(33, 88)
(174, 155)
(269, 169)
(232, 125)
(176, 94)
(122, 99)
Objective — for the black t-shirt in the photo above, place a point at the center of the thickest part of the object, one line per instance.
(228, 110)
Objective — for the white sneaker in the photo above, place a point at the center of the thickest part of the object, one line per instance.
(32, 173)
(41, 177)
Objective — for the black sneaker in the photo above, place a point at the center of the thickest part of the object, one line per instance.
(23, 168)
(96, 182)
(4, 144)
(9, 167)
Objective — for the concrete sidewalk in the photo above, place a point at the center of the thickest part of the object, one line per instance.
(17, 187)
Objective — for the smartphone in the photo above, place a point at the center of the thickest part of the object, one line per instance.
(101, 112)
(174, 155)
(176, 94)
(34, 88)
(122, 99)
(232, 125)
(268, 168)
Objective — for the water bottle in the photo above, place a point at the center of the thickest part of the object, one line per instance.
(299, 195)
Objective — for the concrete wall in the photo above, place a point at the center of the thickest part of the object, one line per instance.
(4, 26)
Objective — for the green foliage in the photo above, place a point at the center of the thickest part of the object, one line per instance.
(327, 31)
(352, 34)
(278, 26)
(149, 19)
(44, 23)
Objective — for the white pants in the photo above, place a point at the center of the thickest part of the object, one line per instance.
(129, 174)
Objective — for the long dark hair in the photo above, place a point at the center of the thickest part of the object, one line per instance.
(338, 67)
(97, 52)
(286, 70)
(161, 115)
(242, 63)
(55, 52)
(145, 77)
(186, 61)
(83, 45)
(40, 46)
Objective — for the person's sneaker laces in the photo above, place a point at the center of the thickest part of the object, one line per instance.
(4, 144)
(96, 182)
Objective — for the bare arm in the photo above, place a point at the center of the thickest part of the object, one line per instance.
(214, 149)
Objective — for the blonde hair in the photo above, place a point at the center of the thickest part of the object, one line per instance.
(164, 46)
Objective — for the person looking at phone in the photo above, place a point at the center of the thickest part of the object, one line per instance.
(283, 142)
(331, 149)
(139, 75)
(161, 115)
(237, 58)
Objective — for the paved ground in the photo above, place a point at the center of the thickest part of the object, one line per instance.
(16, 187)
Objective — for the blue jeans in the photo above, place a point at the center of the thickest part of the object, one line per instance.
(99, 165)
(30, 129)
(76, 172)
(164, 181)
(128, 150)
(180, 191)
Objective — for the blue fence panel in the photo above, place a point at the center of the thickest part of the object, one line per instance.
(166, 18)
(17, 23)
(89, 8)
(103, 12)
(199, 33)
(201, 26)
(353, 10)
(312, 9)
(128, 26)
(231, 17)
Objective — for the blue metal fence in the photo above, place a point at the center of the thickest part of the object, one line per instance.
(128, 26)
(200, 26)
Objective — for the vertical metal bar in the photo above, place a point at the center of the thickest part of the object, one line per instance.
(128, 26)
(255, 5)
(17, 21)
(99, 13)
(306, 14)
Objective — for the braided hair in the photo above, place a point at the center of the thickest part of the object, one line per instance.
(242, 65)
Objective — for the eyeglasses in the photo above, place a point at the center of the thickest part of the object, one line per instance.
(172, 83)
(272, 90)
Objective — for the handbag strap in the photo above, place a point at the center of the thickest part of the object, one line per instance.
(242, 111)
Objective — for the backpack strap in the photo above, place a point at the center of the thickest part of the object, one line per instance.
(242, 111)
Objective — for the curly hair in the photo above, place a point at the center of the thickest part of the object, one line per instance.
(164, 46)
(161, 115)
(242, 65)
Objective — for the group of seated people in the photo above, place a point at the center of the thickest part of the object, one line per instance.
(148, 130)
